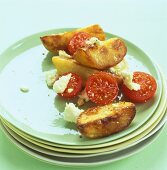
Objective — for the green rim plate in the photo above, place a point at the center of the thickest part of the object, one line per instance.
(110, 146)
(91, 152)
(36, 112)
(88, 162)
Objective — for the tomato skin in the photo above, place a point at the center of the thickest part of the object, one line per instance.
(147, 89)
(75, 83)
(101, 88)
(77, 41)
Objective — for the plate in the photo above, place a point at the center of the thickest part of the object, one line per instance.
(107, 150)
(112, 146)
(87, 162)
(37, 112)
(102, 150)
(141, 131)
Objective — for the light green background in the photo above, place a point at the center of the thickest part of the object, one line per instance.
(142, 22)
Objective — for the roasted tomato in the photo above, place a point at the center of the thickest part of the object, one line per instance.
(77, 41)
(147, 89)
(74, 86)
(102, 88)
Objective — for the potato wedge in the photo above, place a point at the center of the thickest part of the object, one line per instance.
(65, 65)
(101, 57)
(105, 120)
(56, 42)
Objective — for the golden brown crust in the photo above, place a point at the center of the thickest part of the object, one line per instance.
(101, 57)
(56, 42)
(105, 120)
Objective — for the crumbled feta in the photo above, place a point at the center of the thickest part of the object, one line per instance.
(127, 79)
(71, 112)
(123, 65)
(84, 96)
(70, 90)
(50, 77)
(93, 41)
(122, 70)
(62, 53)
(24, 89)
(60, 85)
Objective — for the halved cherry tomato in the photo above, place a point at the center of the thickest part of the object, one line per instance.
(74, 86)
(147, 89)
(101, 88)
(77, 41)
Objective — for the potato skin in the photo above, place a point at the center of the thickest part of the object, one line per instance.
(101, 57)
(56, 42)
(118, 118)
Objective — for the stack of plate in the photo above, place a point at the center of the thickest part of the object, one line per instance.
(30, 117)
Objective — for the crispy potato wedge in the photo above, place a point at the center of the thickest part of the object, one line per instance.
(65, 65)
(105, 120)
(56, 42)
(101, 57)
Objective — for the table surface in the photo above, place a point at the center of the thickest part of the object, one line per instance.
(142, 22)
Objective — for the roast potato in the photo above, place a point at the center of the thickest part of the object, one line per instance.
(102, 56)
(65, 65)
(105, 120)
(56, 42)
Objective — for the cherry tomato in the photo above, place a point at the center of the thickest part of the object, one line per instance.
(101, 88)
(74, 86)
(147, 89)
(77, 41)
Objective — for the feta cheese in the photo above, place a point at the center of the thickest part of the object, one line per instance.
(122, 70)
(50, 77)
(127, 79)
(93, 41)
(84, 96)
(70, 90)
(62, 53)
(71, 112)
(24, 89)
(60, 85)
(123, 65)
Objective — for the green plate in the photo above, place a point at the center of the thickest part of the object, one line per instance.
(75, 153)
(142, 130)
(37, 112)
(83, 162)
(134, 141)
(122, 143)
